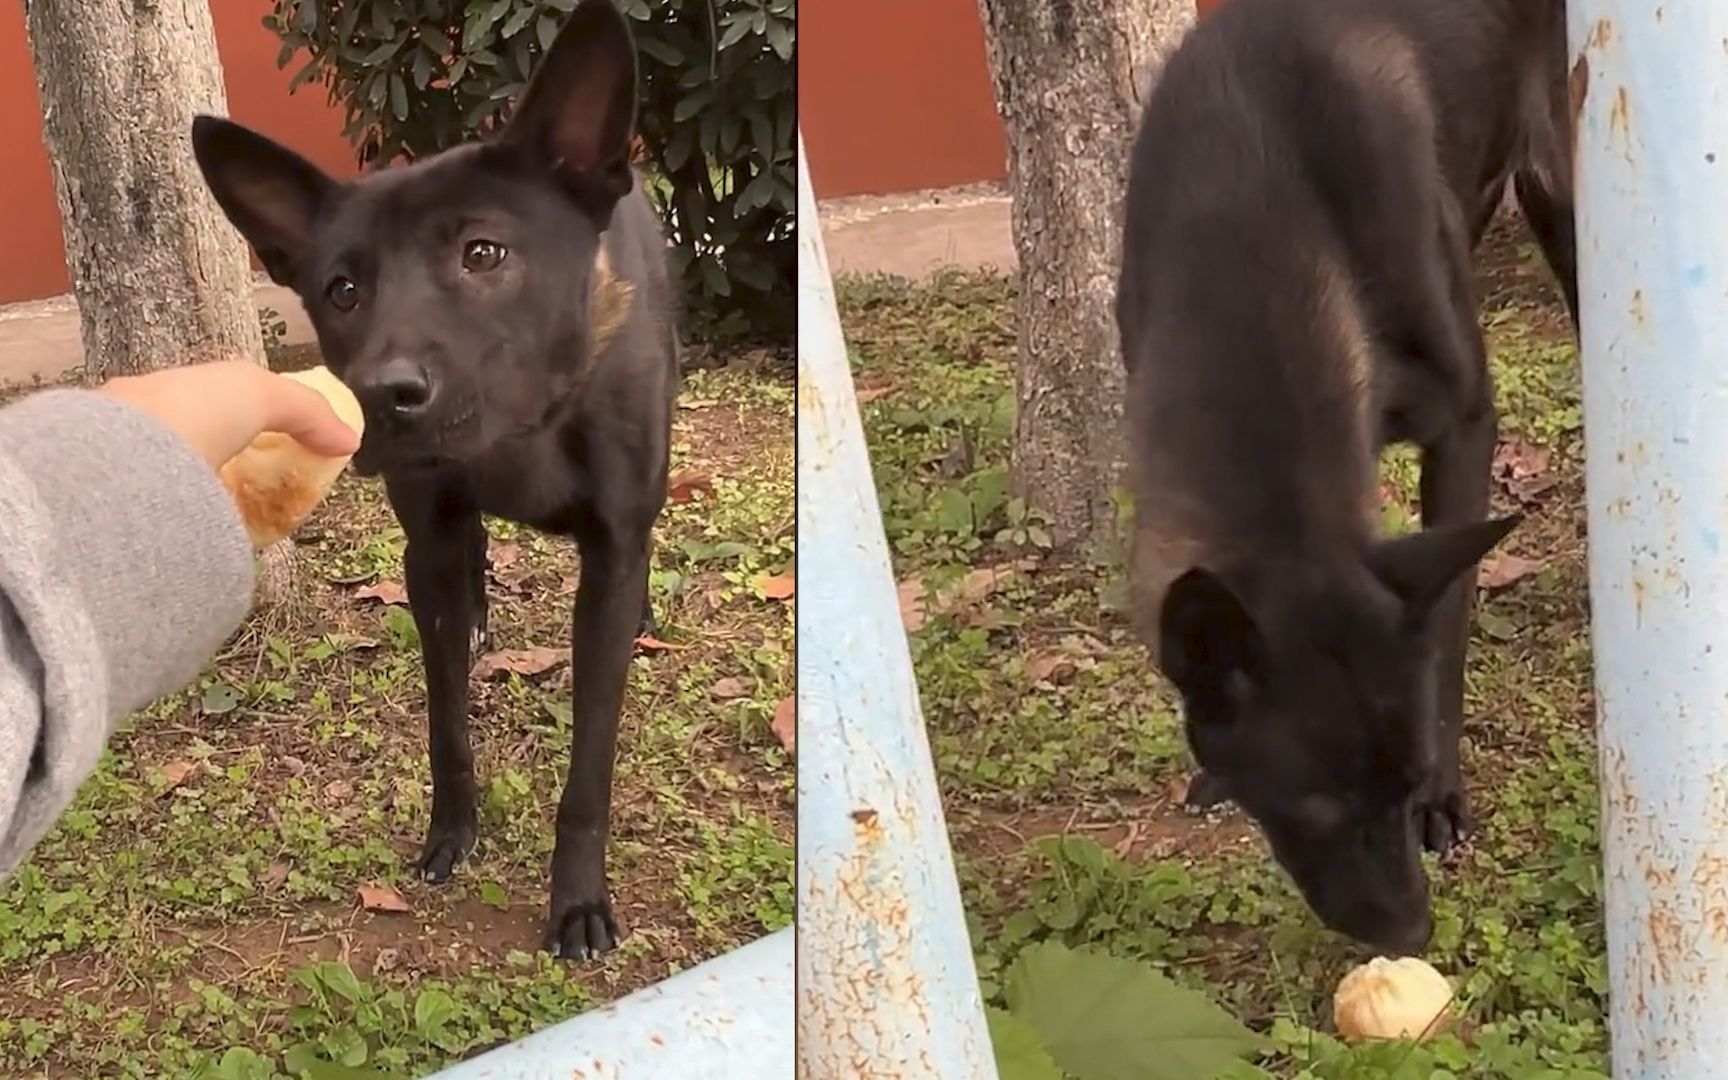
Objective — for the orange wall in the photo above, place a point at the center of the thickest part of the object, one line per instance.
(35, 262)
(895, 95)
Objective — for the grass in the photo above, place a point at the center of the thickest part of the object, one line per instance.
(1060, 753)
(197, 911)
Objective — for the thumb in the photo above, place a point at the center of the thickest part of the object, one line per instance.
(303, 414)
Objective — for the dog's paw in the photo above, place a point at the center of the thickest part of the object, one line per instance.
(479, 639)
(444, 849)
(1205, 792)
(581, 930)
(1445, 821)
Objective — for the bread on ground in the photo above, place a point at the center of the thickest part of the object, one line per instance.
(275, 481)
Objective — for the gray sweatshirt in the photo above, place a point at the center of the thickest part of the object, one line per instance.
(123, 568)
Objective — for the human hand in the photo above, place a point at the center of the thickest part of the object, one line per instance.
(218, 408)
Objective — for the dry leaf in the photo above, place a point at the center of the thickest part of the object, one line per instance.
(871, 393)
(698, 403)
(503, 554)
(532, 661)
(338, 790)
(785, 724)
(1522, 469)
(732, 686)
(1498, 569)
(385, 592)
(778, 587)
(682, 486)
(650, 643)
(382, 898)
(178, 772)
(911, 594)
(1049, 667)
(277, 872)
(982, 581)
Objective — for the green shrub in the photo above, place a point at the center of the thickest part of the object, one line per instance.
(718, 118)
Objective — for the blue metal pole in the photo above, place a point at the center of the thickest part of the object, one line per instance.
(1652, 174)
(727, 1019)
(886, 983)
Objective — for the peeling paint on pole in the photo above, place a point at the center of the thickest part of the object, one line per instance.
(886, 984)
(1650, 89)
(727, 1019)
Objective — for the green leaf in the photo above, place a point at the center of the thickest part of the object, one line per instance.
(1107, 1018)
(340, 979)
(220, 698)
(432, 1010)
(1020, 1053)
(379, 55)
(546, 30)
(692, 103)
(661, 50)
(491, 893)
(780, 39)
(436, 39)
(514, 24)
(398, 96)
(734, 34)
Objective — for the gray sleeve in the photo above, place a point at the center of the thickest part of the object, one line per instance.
(123, 568)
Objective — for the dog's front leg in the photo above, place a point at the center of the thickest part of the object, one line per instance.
(610, 599)
(445, 558)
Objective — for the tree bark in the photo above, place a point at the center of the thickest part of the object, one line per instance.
(159, 275)
(1071, 76)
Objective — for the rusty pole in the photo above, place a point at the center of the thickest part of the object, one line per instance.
(1650, 88)
(886, 985)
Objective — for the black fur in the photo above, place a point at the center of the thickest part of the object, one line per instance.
(453, 296)
(1309, 181)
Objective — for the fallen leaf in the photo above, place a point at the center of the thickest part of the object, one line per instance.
(503, 554)
(698, 403)
(732, 686)
(1523, 469)
(871, 393)
(176, 773)
(911, 594)
(531, 661)
(1049, 667)
(1499, 569)
(338, 790)
(682, 486)
(778, 587)
(385, 592)
(382, 898)
(982, 581)
(785, 724)
(277, 872)
(650, 643)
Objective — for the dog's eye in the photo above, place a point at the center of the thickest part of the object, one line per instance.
(482, 255)
(343, 294)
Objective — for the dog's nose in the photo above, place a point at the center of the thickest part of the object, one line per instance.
(400, 389)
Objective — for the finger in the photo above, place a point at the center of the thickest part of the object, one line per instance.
(305, 416)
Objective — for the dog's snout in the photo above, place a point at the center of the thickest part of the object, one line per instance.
(400, 389)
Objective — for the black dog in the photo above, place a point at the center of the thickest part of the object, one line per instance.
(504, 314)
(1308, 184)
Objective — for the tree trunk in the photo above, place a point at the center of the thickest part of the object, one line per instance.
(1070, 78)
(159, 275)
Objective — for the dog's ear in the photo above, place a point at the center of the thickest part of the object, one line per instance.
(1419, 568)
(269, 192)
(1207, 641)
(577, 114)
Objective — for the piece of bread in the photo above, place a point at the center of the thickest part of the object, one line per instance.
(275, 481)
